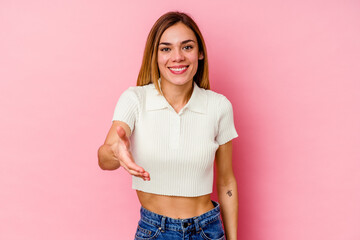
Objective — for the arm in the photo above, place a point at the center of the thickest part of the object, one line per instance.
(107, 158)
(227, 190)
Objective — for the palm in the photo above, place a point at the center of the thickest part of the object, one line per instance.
(122, 151)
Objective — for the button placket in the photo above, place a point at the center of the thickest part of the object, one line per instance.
(175, 131)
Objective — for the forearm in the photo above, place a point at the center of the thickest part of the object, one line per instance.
(228, 198)
(106, 158)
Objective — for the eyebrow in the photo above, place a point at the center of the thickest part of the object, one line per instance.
(183, 42)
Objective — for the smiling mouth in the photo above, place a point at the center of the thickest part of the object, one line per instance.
(178, 69)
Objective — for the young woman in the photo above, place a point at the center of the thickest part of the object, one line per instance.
(176, 127)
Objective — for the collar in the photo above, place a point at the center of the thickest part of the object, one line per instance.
(197, 102)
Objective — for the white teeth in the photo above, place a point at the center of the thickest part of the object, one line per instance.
(178, 69)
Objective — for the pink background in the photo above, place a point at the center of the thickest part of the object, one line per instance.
(290, 68)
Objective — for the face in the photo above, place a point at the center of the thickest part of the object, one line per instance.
(178, 55)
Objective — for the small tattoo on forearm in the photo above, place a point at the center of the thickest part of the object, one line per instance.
(229, 193)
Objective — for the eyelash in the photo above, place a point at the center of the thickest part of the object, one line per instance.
(166, 49)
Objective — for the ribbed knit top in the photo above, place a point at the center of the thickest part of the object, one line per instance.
(177, 149)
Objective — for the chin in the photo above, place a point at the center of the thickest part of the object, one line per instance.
(179, 81)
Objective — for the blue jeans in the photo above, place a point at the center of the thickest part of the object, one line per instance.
(207, 226)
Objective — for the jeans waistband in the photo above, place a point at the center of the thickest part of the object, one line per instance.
(164, 222)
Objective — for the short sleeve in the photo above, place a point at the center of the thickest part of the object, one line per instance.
(226, 127)
(127, 108)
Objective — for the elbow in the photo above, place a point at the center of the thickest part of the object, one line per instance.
(226, 182)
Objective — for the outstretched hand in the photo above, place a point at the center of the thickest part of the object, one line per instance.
(123, 154)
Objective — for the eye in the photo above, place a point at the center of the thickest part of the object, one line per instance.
(188, 47)
(165, 49)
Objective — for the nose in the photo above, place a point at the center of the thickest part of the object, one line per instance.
(177, 55)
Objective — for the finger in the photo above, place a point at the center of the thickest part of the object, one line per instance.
(122, 135)
(133, 166)
(130, 164)
(132, 172)
(137, 174)
(144, 174)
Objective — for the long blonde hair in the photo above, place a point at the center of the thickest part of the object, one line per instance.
(149, 71)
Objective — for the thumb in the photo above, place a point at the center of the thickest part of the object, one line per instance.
(122, 135)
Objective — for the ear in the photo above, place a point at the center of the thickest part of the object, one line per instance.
(201, 56)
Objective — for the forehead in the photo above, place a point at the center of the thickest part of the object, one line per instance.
(177, 33)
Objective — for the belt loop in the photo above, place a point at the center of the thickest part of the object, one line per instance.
(163, 224)
(196, 222)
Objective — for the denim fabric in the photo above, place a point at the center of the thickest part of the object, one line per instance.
(207, 226)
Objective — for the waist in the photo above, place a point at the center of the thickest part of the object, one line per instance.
(179, 224)
(174, 206)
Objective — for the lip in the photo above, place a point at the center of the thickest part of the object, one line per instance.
(183, 68)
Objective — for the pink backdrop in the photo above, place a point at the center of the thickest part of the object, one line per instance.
(290, 68)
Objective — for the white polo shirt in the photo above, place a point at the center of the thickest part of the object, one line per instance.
(177, 149)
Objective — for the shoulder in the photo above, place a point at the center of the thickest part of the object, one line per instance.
(218, 105)
(137, 92)
(216, 99)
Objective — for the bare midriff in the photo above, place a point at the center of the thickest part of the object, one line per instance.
(174, 206)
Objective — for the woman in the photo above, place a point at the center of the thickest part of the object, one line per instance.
(176, 126)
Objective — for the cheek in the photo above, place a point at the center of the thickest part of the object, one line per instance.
(161, 60)
(193, 57)
(194, 60)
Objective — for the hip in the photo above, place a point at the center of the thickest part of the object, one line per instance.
(158, 227)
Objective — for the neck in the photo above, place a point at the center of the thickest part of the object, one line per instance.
(177, 96)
